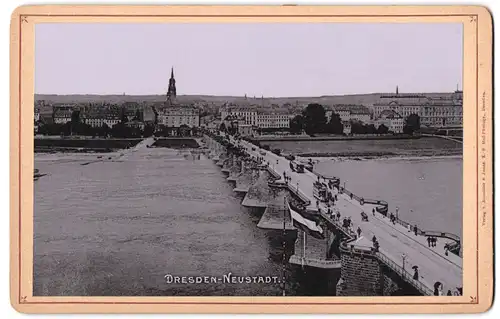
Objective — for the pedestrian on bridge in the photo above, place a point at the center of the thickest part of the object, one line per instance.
(415, 229)
(415, 272)
(358, 231)
(429, 241)
(438, 289)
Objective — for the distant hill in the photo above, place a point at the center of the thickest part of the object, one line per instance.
(364, 99)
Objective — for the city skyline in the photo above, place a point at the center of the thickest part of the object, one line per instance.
(361, 58)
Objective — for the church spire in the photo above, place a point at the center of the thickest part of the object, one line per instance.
(172, 91)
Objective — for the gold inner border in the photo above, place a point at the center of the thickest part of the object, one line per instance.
(477, 157)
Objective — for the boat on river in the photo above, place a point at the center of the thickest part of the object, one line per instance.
(37, 174)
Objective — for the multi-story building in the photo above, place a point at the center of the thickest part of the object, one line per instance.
(443, 112)
(273, 120)
(360, 115)
(347, 113)
(259, 117)
(342, 111)
(249, 114)
(433, 111)
(98, 119)
(176, 116)
(393, 121)
(62, 116)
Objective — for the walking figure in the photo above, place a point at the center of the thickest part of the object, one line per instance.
(415, 273)
(373, 211)
(415, 229)
(359, 232)
(429, 241)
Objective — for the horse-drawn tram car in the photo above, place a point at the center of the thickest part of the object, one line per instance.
(320, 191)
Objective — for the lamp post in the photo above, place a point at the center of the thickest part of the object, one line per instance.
(404, 257)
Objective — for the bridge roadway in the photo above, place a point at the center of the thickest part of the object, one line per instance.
(395, 240)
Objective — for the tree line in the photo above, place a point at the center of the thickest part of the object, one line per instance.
(313, 120)
(76, 127)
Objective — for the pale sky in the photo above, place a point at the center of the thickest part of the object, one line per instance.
(270, 59)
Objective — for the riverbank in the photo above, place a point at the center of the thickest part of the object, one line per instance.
(83, 145)
(293, 138)
(176, 143)
(422, 147)
(382, 154)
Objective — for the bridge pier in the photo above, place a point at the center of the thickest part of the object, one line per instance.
(235, 169)
(276, 215)
(246, 178)
(340, 263)
(228, 163)
(220, 160)
(259, 194)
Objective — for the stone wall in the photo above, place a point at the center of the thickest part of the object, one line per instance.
(361, 275)
(390, 286)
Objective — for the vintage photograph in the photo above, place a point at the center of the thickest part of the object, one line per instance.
(248, 159)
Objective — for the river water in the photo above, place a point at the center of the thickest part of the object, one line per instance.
(117, 227)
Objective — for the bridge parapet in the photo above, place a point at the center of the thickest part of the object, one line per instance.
(355, 257)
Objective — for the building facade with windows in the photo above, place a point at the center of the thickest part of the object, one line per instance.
(273, 120)
(99, 119)
(176, 116)
(62, 116)
(390, 119)
(438, 112)
(249, 114)
(348, 112)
